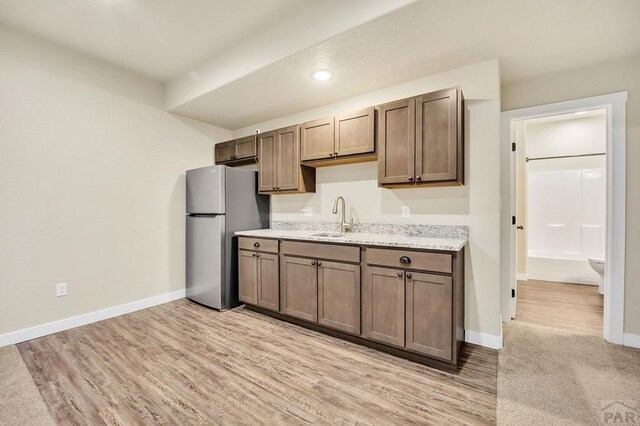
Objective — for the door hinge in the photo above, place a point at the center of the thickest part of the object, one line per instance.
(513, 147)
(513, 220)
(513, 292)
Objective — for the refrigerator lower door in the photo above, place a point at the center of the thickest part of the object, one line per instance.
(205, 255)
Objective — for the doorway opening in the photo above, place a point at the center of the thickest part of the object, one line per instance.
(561, 193)
(548, 231)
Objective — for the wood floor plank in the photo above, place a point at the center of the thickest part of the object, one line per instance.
(181, 363)
(570, 307)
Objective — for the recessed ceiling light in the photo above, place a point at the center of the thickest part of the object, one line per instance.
(322, 74)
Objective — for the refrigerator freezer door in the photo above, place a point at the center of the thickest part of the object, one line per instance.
(205, 190)
(205, 264)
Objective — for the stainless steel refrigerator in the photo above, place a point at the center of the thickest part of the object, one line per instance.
(220, 201)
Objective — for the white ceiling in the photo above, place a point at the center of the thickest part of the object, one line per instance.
(201, 47)
(568, 116)
(530, 37)
(157, 38)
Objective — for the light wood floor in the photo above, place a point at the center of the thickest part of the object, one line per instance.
(571, 307)
(180, 363)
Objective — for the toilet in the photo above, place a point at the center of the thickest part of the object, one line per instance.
(598, 266)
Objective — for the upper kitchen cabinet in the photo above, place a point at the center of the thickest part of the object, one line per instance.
(279, 168)
(421, 140)
(237, 152)
(343, 139)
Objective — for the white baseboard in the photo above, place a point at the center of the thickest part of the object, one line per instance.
(65, 324)
(563, 278)
(521, 277)
(483, 339)
(632, 340)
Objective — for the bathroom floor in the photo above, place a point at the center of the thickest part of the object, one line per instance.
(571, 307)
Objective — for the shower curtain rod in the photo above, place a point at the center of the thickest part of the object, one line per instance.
(565, 156)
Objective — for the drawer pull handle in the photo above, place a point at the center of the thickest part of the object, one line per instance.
(405, 260)
(256, 244)
(400, 274)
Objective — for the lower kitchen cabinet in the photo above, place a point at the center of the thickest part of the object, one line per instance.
(268, 281)
(384, 305)
(299, 284)
(407, 302)
(339, 296)
(429, 308)
(247, 277)
(258, 279)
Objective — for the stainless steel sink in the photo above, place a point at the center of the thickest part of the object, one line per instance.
(328, 234)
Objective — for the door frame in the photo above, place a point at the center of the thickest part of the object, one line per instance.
(615, 104)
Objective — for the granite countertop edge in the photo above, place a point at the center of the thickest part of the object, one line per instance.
(378, 240)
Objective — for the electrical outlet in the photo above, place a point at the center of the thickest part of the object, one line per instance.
(61, 289)
(406, 211)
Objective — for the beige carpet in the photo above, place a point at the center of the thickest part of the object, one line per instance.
(555, 377)
(20, 400)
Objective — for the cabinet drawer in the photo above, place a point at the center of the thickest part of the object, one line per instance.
(436, 262)
(258, 244)
(322, 251)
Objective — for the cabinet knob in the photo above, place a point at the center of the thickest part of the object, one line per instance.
(256, 244)
(313, 262)
(274, 187)
(400, 274)
(418, 178)
(319, 263)
(411, 178)
(408, 275)
(253, 255)
(335, 153)
(404, 260)
(257, 255)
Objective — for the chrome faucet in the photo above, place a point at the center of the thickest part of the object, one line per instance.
(344, 226)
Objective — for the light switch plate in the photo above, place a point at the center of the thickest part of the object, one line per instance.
(406, 211)
(61, 289)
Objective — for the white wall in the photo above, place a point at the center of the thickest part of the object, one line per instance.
(616, 76)
(475, 204)
(91, 184)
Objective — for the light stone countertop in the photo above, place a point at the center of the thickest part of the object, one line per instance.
(362, 238)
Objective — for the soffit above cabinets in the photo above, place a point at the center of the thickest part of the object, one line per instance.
(236, 63)
(530, 38)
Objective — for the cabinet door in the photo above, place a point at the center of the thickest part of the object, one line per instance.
(246, 147)
(268, 281)
(287, 158)
(339, 296)
(267, 162)
(225, 152)
(299, 288)
(247, 277)
(383, 304)
(355, 133)
(396, 135)
(317, 139)
(437, 136)
(429, 314)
